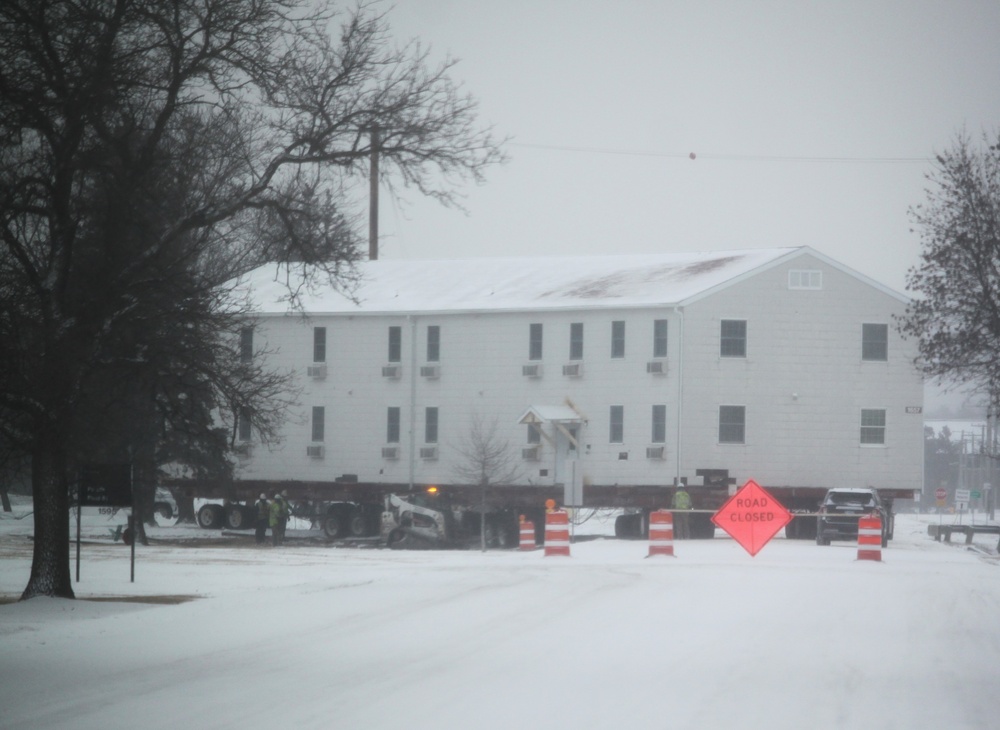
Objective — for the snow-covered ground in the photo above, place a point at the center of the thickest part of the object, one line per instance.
(310, 636)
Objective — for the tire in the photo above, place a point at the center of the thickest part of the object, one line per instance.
(333, 525)
(236, 518)
(629, 526)
(396, 539)
(164, 510)
(210, 517)
(357, 525)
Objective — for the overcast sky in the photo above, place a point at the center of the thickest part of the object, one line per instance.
(812, 123)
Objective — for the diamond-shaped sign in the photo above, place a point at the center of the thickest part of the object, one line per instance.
(752, 517)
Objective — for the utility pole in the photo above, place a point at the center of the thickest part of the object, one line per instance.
(373, 195)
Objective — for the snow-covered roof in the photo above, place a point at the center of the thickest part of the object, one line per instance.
(522, 283)
(547, 414)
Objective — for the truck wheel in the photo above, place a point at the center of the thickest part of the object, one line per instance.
(210, 517)
(236, 517)
(357, 526)
(164, 510)
(333, 526)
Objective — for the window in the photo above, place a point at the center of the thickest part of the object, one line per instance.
(732, 424)
(659, 338)
(617, 339)
(243, 424)
(319, 423)
(395, 344)
(733, 338)
(433, 343)
(805, 279)
(659, 433)
(431, 425)
(875, 342)
(246, 344)
(319, 344)
(872, 425)
(392, 425)
(617, 434)
(576, 341)
(534, 436)
(535, 342)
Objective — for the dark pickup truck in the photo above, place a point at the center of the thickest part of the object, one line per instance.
(843, 507)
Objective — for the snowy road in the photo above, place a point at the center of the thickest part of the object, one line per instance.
(310, 637)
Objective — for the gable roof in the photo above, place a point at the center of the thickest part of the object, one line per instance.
(523, 283)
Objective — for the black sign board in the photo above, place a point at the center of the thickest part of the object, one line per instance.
(106, 485)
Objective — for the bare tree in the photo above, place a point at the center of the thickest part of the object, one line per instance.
(956, 318)
(485, 459)
(150, 152)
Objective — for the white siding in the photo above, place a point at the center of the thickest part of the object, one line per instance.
(803, 384)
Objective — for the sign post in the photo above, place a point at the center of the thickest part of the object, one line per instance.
(752, 517)
(103, 485)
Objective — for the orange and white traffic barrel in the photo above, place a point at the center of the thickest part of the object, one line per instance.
(870, 538)
(661, 533)
(527, 534)
(557, 533)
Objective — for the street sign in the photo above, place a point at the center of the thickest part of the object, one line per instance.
(976, 494)
(962, 495)
(105, 485)
(752, 517)
(940, 493)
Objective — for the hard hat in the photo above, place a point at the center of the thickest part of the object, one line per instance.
(276, 495)
(263, 496)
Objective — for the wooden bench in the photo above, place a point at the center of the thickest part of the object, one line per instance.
(937, 531)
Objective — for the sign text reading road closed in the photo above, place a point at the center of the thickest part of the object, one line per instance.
(752, 517)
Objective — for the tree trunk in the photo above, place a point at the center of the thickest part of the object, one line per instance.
(50, 563)
(5, 500)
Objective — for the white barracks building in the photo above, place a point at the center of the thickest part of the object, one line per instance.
(779, 365)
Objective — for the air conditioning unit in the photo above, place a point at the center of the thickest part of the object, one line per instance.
(390, 452)
(428, 452)
(316, 371)
(530, 453)
(573, 370)
(534, 370)
(656, 367)
(392, 371)
(315, 451)
(243, 449)
(430, 371)
(655, 452)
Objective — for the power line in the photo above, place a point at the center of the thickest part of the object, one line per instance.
(728, 157)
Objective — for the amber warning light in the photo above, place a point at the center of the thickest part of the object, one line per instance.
(752, 517)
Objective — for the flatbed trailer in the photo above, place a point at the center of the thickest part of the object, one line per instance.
(347, 507)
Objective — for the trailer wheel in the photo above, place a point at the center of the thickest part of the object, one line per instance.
(210, 517)
(239, 517)
(333, 526)
(357, 525)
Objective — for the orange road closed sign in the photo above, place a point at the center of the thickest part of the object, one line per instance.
(752, 517)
